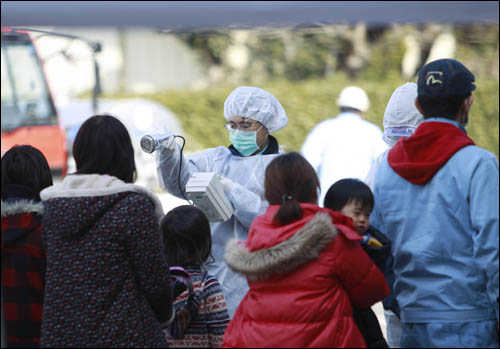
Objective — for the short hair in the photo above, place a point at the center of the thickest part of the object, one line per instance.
(289, 180)
(349, 110)
(186, 236)
(103, 146)
(444, 107)
(346, 190)
(27, 166)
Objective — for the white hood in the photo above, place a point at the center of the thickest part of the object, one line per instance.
(85, 185)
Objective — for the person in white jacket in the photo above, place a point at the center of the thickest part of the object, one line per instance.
(345, 146)
(252, 114)
(401, 118)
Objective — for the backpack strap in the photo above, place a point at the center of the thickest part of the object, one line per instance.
(180, 275)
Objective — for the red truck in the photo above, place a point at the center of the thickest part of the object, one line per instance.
(28, 114)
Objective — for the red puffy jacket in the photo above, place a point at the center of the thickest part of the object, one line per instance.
(303, 277)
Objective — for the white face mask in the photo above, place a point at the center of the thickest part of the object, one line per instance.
(393, 134)
(245, 141)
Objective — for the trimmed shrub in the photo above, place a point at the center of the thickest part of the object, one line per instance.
(307, 102)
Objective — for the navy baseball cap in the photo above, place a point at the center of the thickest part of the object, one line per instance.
(443, 78)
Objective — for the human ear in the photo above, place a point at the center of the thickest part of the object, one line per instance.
(468, 102)
(465, 106)
(417, 105)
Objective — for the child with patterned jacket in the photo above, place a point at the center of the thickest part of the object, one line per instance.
(354, 199)
(201, 316)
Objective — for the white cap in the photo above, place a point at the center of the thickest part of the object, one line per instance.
(401, 116)
(354, 97)
(256, 104)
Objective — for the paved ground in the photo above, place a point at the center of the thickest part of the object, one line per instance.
(379, 311)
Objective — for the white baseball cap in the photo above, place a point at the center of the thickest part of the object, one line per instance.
(354, 97)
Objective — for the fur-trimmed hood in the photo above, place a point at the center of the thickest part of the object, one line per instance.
(10, 208)
(301, 248)
(15, 228)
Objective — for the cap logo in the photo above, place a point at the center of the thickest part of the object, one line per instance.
(433, 77)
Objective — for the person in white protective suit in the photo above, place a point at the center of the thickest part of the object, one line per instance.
(401, 118)
(345, 146)
(252, 114)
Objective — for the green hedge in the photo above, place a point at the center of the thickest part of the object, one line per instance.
(307, 102)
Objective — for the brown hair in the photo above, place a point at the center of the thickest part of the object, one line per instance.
(290, 179)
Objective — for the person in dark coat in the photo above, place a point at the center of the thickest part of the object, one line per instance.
(25, 172)
(107, 277)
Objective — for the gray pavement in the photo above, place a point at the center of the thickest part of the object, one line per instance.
(379, 311)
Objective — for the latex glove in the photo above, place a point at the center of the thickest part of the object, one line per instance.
(168, 146)
(227, 184)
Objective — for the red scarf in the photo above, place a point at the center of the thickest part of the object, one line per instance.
(419, 157)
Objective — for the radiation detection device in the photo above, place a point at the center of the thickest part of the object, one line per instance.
(206, 192)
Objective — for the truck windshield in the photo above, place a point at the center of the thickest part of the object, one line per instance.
(25, 96)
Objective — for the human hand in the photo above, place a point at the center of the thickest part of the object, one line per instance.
(227, 184)
(180, 281)
(168, 146)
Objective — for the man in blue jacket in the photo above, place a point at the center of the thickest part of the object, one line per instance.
(436, 198)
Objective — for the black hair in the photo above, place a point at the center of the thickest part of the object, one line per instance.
(444, 107)
(346, 190)
(349, 110)
(290, 179)
(103, 146)
(27, 166)
(186, 237)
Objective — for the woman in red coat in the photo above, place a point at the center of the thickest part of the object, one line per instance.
(304, 267)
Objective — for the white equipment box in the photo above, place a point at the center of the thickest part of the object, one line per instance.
(207, 193)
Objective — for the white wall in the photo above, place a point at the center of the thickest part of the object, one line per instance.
(137, 60)
(157, 61)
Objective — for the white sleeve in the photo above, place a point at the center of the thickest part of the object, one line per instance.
(370, 177)
(313, 147)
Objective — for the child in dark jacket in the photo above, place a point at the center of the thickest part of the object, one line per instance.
(25, 172)
(354, 199)
(201, 316)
